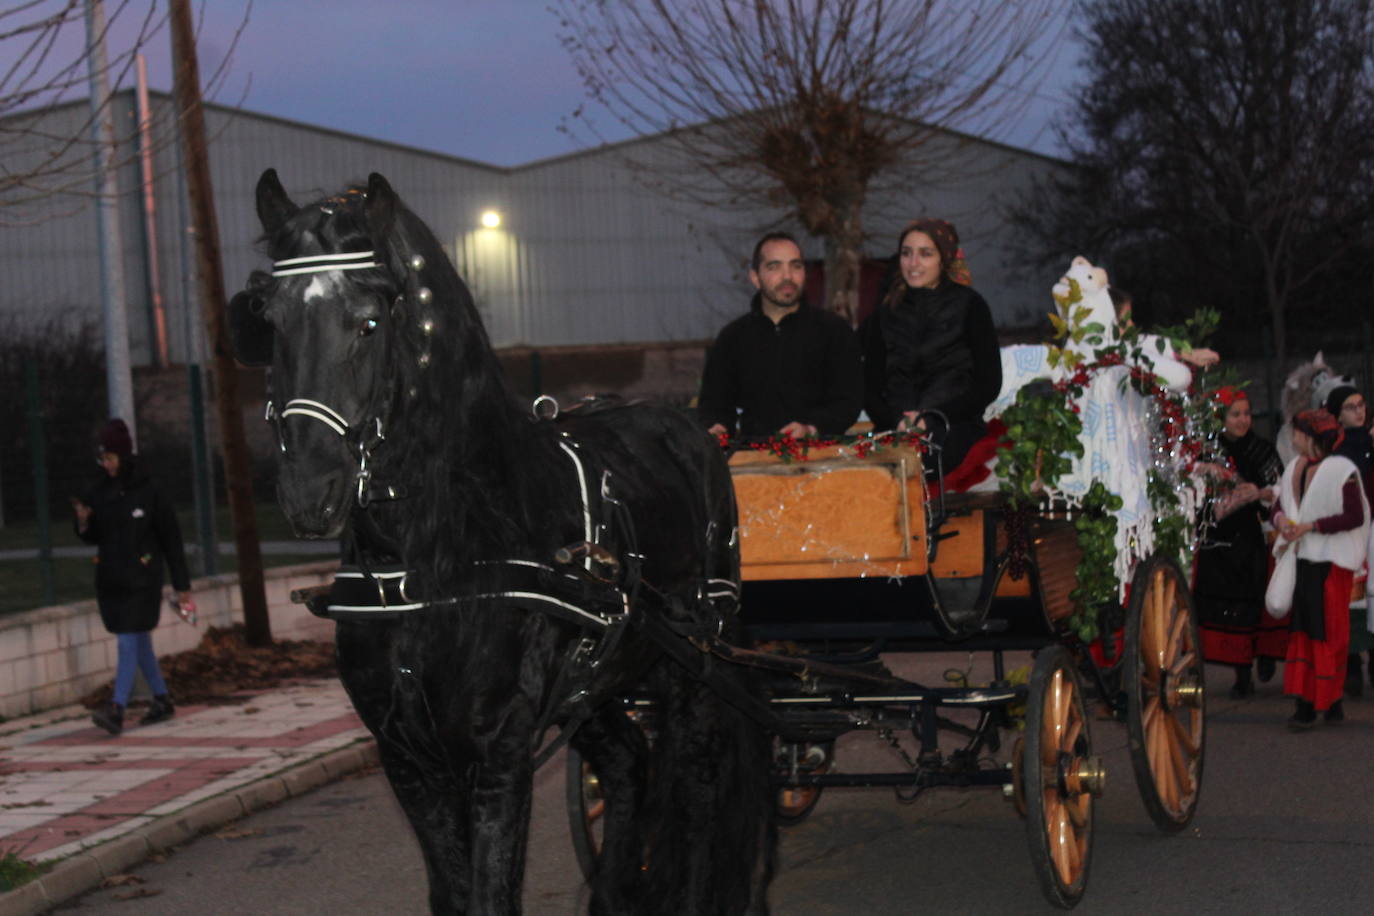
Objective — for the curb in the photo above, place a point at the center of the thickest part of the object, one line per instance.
(84, 871)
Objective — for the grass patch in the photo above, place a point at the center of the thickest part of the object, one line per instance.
(272, 526)
(15, 871)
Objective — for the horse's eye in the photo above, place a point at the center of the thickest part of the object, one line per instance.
(369, 325)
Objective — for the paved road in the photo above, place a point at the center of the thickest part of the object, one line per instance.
(1286, 825)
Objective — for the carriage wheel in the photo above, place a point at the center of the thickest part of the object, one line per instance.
(585, 808)
(794, 804)
(1060, 777)
(1165, 709)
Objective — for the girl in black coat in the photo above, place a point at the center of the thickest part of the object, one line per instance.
(136, 531)
(931, 345)
(1233, 564)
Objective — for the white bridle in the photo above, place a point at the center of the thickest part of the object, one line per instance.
(319, 263)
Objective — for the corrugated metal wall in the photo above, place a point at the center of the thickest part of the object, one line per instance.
(584, 254)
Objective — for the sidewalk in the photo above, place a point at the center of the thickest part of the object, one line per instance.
(95, 804)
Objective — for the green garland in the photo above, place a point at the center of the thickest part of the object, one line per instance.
(1043, 438)
(1097, 585)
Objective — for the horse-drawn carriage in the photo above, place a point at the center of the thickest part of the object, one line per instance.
(510, 577)
(846, 558)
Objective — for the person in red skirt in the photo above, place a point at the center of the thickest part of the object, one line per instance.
(1233, 563)
(1322, 514)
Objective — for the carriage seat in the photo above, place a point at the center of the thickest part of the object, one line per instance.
(975, 468)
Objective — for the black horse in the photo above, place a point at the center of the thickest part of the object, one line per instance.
(504, 573)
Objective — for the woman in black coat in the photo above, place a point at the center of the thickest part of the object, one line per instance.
(136, 532)
(931, 345)
(1233, 562)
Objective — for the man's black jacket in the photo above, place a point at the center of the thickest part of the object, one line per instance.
(805, 368)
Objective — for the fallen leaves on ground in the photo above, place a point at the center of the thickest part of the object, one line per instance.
(121, 881)
(224, 664)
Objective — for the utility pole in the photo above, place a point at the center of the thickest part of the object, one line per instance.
(237, 478)
(118, 375)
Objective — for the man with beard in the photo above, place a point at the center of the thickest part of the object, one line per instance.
(786, 368)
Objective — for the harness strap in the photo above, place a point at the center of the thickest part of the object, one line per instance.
(380, 594)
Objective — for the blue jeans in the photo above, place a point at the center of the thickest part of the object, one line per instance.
(136, 651)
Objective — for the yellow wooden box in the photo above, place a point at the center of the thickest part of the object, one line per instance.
(833, 515)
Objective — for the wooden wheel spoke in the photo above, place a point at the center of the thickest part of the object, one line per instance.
(1176, 628)
(1150, 711)
(1057, 825)
(1183, 736)
(1072, 854)
(1071, 734)
(1181, 664)
(1159, 623)
(1078, 809)
(1166, 779)
(1183, 777)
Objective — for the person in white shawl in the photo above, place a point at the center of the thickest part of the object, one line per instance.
(1323, 521)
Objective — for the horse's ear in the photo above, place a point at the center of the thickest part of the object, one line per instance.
(274, 207)
(250, 333)
(381, 207)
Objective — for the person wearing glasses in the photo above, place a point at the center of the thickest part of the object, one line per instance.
(1347, 404)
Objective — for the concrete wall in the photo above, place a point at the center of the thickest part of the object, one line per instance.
(53, 656)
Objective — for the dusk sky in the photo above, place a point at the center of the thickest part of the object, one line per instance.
(480, 79)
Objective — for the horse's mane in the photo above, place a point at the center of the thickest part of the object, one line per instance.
(458, 440)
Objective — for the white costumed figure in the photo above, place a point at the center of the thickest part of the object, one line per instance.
(1305, 388)
(1120, 437)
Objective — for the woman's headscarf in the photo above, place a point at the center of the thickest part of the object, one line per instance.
(1322, 427)
(1230, 394)
(946, 239)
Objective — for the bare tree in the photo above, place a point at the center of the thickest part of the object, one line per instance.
(1224, 150)
(43, 157)
(805, 106)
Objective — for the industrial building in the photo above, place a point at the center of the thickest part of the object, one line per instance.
(583, 253)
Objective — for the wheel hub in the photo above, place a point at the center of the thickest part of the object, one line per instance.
(1185, 690)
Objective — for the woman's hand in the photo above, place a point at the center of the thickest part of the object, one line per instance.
(83, 515)
(1294, 530)
(909, 421)
(798, 430)
(1200, 357)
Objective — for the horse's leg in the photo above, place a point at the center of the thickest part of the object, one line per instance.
(615, 748)
(502, 788)
(712, 851)
(433, 797)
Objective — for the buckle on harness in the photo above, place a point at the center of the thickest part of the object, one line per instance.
(604, 566)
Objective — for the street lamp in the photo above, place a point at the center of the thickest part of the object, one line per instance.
(491, 219)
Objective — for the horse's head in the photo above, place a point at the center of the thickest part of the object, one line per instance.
(325, 321)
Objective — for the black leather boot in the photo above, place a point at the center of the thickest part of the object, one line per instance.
(1304, 717)
(159, 710)
(1354, 677)
(110, 718)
